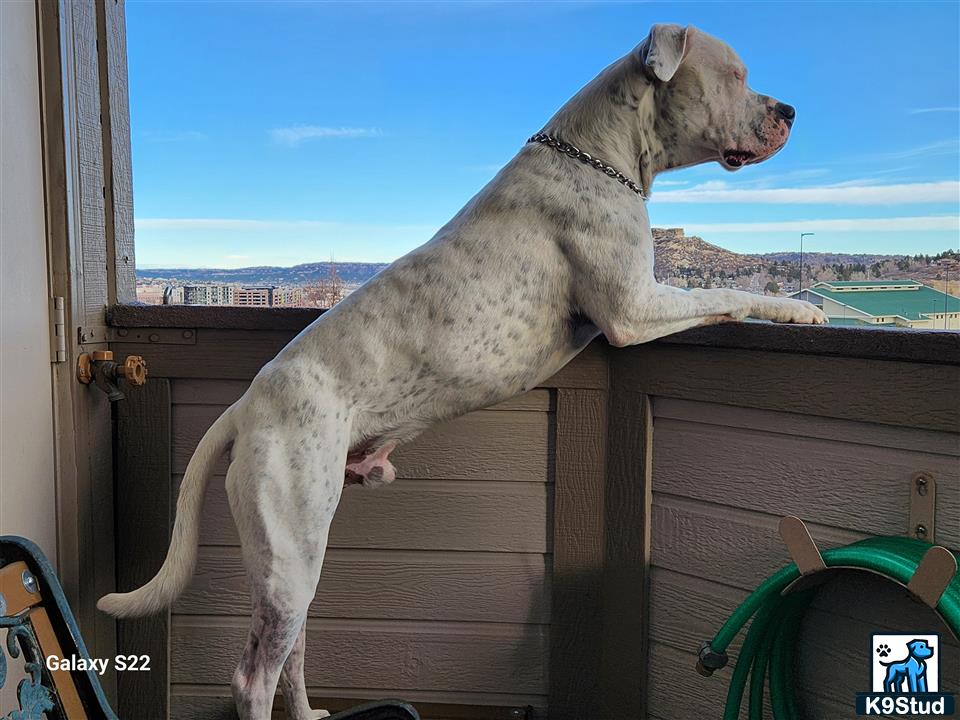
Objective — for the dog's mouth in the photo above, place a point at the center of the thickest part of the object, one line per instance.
(733, 159)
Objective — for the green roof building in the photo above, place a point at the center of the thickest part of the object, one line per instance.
(903, 303)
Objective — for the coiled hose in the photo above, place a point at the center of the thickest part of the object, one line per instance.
(770, 645)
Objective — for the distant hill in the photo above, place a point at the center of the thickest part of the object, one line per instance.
(678, 255)
(680, 260)
(828, 258)
(351, 273)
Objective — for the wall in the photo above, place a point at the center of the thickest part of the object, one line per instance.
(456, 587)
(27, 500)
(742, 438)
(435, 588)
(570, 549)
(26, 425)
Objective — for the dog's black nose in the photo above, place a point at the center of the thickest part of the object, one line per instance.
(787, 112)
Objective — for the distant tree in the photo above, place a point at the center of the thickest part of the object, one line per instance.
(327, 291)
(772, 288)
(844, 271)
(875, 270)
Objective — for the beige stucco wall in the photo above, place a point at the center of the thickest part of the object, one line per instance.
(835, 309)
(27, 500)
(950, 322)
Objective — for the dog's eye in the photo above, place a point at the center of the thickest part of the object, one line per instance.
(740, 76)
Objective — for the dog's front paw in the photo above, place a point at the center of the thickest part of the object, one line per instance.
(796, 311)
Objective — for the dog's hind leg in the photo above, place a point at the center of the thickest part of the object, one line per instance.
(283, 486)
(293, 683)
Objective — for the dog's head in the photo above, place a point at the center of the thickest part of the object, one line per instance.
(920, 649)
(703, 101)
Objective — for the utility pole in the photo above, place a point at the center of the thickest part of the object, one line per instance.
(802, 236)
(946, 295)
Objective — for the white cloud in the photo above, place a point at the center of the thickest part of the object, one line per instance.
(207, 241)
(763, 182)
(946, 191)
(298, 133)
(919, 111)
(897, 224)
(941, 147)
(236, 224)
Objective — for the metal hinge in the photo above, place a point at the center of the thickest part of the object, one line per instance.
(59, 349)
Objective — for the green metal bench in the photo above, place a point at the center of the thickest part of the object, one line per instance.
(39, 623)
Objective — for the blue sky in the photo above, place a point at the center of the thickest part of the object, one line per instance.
(279, 133)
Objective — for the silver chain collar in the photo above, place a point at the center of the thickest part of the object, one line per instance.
(578, 154)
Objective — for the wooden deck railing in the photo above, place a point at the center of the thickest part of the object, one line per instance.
(568, 550)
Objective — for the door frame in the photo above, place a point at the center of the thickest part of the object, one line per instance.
(85, 130)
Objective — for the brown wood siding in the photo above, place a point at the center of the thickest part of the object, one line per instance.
(438, 588)
(440, 582)
(728, 462)
(570, 549)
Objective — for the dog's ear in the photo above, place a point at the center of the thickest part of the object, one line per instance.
(664, 50)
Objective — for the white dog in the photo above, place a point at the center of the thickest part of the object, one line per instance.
(555, 250)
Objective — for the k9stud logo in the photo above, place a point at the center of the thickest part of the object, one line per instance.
(905, 678)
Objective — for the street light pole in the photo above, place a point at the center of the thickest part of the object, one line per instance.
(946, 296)
(802, 236)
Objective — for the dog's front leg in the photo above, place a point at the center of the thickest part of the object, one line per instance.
(651, 310)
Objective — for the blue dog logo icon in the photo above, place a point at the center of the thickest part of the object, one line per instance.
(909, 674)
(905, 678)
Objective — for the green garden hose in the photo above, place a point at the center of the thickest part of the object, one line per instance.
(769, 649)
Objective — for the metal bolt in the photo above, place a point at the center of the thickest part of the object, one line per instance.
(154, 337)
(920, 531)
(188, 334)
(30, 582)
(123, 332)
(922, 485)
(518, 713)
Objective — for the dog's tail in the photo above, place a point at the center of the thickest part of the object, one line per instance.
(177, 569)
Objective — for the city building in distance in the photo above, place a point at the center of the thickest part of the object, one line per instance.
(153, 294)
(268, 296)
(248, 296)
(903, 303)
(208, 294)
